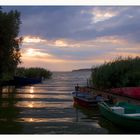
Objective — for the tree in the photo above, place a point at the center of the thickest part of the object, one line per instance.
(9, 43)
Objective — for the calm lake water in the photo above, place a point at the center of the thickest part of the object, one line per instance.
(48, 108)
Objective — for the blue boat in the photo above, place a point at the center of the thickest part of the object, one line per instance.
(26, 81)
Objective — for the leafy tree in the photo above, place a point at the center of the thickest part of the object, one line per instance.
(9, 43)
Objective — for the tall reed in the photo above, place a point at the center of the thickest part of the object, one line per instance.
(121, 72)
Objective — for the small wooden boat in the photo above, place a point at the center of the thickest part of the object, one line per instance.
(85, 99)
(122, 114)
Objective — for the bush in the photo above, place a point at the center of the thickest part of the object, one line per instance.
(33, 73)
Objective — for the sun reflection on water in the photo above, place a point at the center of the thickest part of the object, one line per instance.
(31, 90)
(30, 105)
(31, 120)
(31, 96)
(67, 119)
(42, 104)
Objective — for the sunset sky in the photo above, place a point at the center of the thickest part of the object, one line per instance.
(62, 38)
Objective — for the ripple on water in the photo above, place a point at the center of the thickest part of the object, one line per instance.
(42, 104)
(47, 108)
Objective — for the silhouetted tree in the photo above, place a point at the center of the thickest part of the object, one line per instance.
(9, 43)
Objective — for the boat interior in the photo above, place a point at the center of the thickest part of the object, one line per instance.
(126, 109)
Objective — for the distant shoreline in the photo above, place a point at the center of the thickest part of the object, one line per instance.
(74, 70)
(81, 70)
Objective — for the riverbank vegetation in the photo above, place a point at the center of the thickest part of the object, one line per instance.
(121, 72)
(33, 73)
(9, 43)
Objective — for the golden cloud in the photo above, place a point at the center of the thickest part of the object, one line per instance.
(30, 52)
(60, 43)
(33, 39)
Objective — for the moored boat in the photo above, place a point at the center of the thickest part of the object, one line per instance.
(122, 114)
(26, 81)
(133, 92)
(85, 99)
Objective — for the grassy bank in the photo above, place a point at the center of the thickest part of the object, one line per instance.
(121, 72)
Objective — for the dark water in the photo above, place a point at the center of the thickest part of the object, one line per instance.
(47, 108)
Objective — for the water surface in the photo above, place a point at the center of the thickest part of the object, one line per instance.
(48, 108)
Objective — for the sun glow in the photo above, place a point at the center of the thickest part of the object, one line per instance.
(30, 52)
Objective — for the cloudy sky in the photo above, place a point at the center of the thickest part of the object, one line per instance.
(62, 38)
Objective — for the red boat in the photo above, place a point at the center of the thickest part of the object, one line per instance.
(85, 99)
(133, 92)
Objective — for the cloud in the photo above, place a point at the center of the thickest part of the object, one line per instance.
(79, 50)
(36, 53)
(80, 22)
(102, 14)
(78, 36)
(33, 39)
(60, 43)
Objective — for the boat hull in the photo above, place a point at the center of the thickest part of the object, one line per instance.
(84, 99)
(26, 81)
(78, 101)
(120, 120)
(133, 92)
